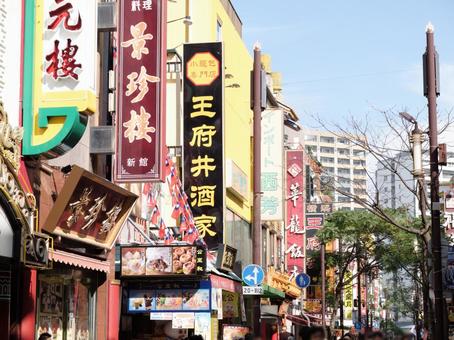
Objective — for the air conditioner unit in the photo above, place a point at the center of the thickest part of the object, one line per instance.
(102, 140)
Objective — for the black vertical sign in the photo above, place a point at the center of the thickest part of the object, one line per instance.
(203, 138)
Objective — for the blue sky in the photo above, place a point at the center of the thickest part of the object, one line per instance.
(341, 58)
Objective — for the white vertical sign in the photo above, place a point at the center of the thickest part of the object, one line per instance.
(272, 165)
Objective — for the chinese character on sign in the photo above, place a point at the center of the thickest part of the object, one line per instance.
(202, 164)
(269, 181)
(295, 251)
(325, 208)
(94, 211)
(109, 222)
(203, 195)
(269, 205)
(147, 5)
(204, 224)
(313, 243)
(63, 65)
(202, 136)
(131, 162)
(202, 104)
(295, 193)
(268, 140)
(64, 13)
(77, 207)
(143, 161)
(294, 272)
(294, 225)
(135, 5)
(138, 126)
(139, 81)
(294, 170)
(311, 208)
(138, 41)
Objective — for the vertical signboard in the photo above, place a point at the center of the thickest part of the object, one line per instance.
(60, 40)
(203, 138)
(294, 224)
(141, 91)
(272, 165)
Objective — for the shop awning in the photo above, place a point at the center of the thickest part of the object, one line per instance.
(79, 261)
(299, 320)
(271, 292)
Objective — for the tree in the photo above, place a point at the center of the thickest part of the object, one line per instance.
(368, 244)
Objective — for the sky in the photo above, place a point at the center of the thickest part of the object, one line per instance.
(352, 57)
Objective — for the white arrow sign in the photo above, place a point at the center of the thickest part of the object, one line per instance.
(255, 277)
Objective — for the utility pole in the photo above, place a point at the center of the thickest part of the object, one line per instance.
(257, 223)
(431, 92)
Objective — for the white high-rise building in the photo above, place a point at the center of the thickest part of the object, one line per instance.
(341, 160)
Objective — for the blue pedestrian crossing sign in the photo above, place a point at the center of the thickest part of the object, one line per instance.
(253, 275)
(303, 280)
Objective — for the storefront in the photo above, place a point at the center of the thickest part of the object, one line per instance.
(165, 292)
(75, 298)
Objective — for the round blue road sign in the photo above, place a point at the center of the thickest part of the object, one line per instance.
(253, 275)
(303, 280)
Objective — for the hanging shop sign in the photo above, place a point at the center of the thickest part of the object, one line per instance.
(36, 248)
(272, 165)
(294, 225)
(162, 261)
(319, 208)
(203, 138)
(89, 209)
(314, 221)
(59, 74)
(170, 297)
(141, 91)
(226, 257)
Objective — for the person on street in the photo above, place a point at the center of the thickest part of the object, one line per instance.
(375, 336)
(284, 335)
(275, 332)
(45, 336)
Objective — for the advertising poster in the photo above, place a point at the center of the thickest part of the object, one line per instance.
(141, 301)
(231, 332)
(230, 304)
(169, 300)
(196, 299)
(202, 325)
(183, 320)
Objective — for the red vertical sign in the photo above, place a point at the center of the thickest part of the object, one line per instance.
(294, 224)
(141, 91)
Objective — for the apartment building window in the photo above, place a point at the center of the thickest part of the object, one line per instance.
(358, 153)
(218, 30)
(344, 161)
(343, 152)
(311, 148)
(329, 170)
(360, 172)
(310, 138)
(326, 150)
(342, 180)
(343, 141)
(345, 189)
(344, 199)
(342, 171)
(327, 160)
(361, 182)
(360, 191)
(324, 139)
(359, 162)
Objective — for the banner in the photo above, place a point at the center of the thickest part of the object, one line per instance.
(141, 91)
(203, 138)
(272, 164)
(294, 225)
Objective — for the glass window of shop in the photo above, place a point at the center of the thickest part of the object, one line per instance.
(238, 234)
(66, 305)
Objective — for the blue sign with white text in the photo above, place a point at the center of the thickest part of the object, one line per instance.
(303, 280)
(253, 275)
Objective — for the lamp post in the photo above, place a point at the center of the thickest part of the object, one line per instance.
(431, 91)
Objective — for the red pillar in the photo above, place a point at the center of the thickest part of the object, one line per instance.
(113, 316)
(27, 324)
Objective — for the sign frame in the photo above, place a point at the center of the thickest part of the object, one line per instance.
(253, 268)
(155, 173)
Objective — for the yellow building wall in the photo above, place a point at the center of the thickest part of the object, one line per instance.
(238, 62)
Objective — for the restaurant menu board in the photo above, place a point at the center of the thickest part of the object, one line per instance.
(162, 261)
(165, 300)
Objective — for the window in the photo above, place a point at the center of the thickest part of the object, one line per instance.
(219, 30)
(326, 150)
(324, 139)
(329, 170)
(343, 180)
(345, 208)
(360, 172)
(310, 138)
(358, 153)
(311, 149)
(342, 171)
(344, 199)
(344, 189)
(327, 160)
(343, 152)
(344, 161)
(361, 182)
(238, 234)
(358, 162)
(343, 141)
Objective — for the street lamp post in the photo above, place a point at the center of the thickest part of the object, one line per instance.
(431, 92)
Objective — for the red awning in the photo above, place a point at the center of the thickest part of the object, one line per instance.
(297, 320)
(79, 261)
